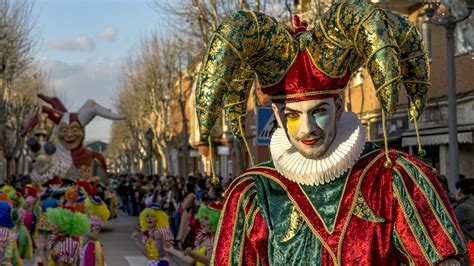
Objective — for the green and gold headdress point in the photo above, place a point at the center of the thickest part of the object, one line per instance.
(252, 45)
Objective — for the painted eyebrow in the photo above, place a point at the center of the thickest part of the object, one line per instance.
(318, 106)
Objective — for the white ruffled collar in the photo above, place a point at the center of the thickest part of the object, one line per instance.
(341, 155)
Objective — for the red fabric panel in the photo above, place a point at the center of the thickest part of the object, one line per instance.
(259, 239)
(407, 237)
(435, 230)
(432, 178)
(224, 242)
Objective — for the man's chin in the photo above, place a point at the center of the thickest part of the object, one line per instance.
(313, 153)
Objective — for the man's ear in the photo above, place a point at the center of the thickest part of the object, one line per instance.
(339, 107)
(276, 112)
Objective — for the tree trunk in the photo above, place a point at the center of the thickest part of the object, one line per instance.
(11, 167)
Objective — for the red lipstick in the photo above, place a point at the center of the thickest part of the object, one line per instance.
(310, 141)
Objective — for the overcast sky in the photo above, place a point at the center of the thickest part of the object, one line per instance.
(83, 44)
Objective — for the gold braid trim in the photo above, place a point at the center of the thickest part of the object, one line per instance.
(438, 219)
(231, 46)
(388, 163)
(217, 77)
(332, 40)
(388, 83)
(235, 103)
(360, 24)
(403, 250)
(418, 218)
(353, 205)
(304, 94)
(258, 30)
(378, 50)
(287, 69)
(256, 60)
(406, 35)
(417, 81)
(214, 178)
(243, 240)
(244, 138)
(316, 234)
(252, 221)
(338, 22)
(322, 70)
(413, 56)
(238, 181)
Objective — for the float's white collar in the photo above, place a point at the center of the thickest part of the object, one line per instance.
(344, 151)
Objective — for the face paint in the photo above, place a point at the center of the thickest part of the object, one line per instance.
(304, 121)
(322, 119)
(292, 121)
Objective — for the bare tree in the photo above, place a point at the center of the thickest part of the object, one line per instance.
(16, 48)
(21, 106)
(158, 77)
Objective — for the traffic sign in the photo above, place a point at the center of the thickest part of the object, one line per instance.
(266, 125)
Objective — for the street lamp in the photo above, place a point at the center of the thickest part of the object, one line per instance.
(449, 22)
(149, 137)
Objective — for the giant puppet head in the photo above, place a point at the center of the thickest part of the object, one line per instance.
(56, 159)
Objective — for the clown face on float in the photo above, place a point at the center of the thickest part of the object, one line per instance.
(66, 157)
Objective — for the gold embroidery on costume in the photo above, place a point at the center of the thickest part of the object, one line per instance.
(296, 222)
(363, 211)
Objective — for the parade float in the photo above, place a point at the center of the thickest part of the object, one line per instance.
(56, 142)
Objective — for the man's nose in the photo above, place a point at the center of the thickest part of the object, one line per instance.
(308, 125)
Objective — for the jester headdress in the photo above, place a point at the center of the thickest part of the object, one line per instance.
(296, 65)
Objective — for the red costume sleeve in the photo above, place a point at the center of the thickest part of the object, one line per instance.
(425, 227)
(242, 235)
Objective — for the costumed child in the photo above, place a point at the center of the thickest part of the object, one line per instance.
(8, 250)
(63, 245)
(22, 236)
(43, 227)
(200, 253)
(92, 251)
(32, 208)
(70, 197)
(154, 224)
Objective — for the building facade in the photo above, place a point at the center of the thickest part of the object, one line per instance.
(231, 157)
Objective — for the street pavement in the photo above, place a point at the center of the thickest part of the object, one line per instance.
(118, 245)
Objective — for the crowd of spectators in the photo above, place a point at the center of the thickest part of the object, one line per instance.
(462, 200)
(179, 197)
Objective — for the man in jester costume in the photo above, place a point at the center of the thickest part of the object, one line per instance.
(326, 197)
